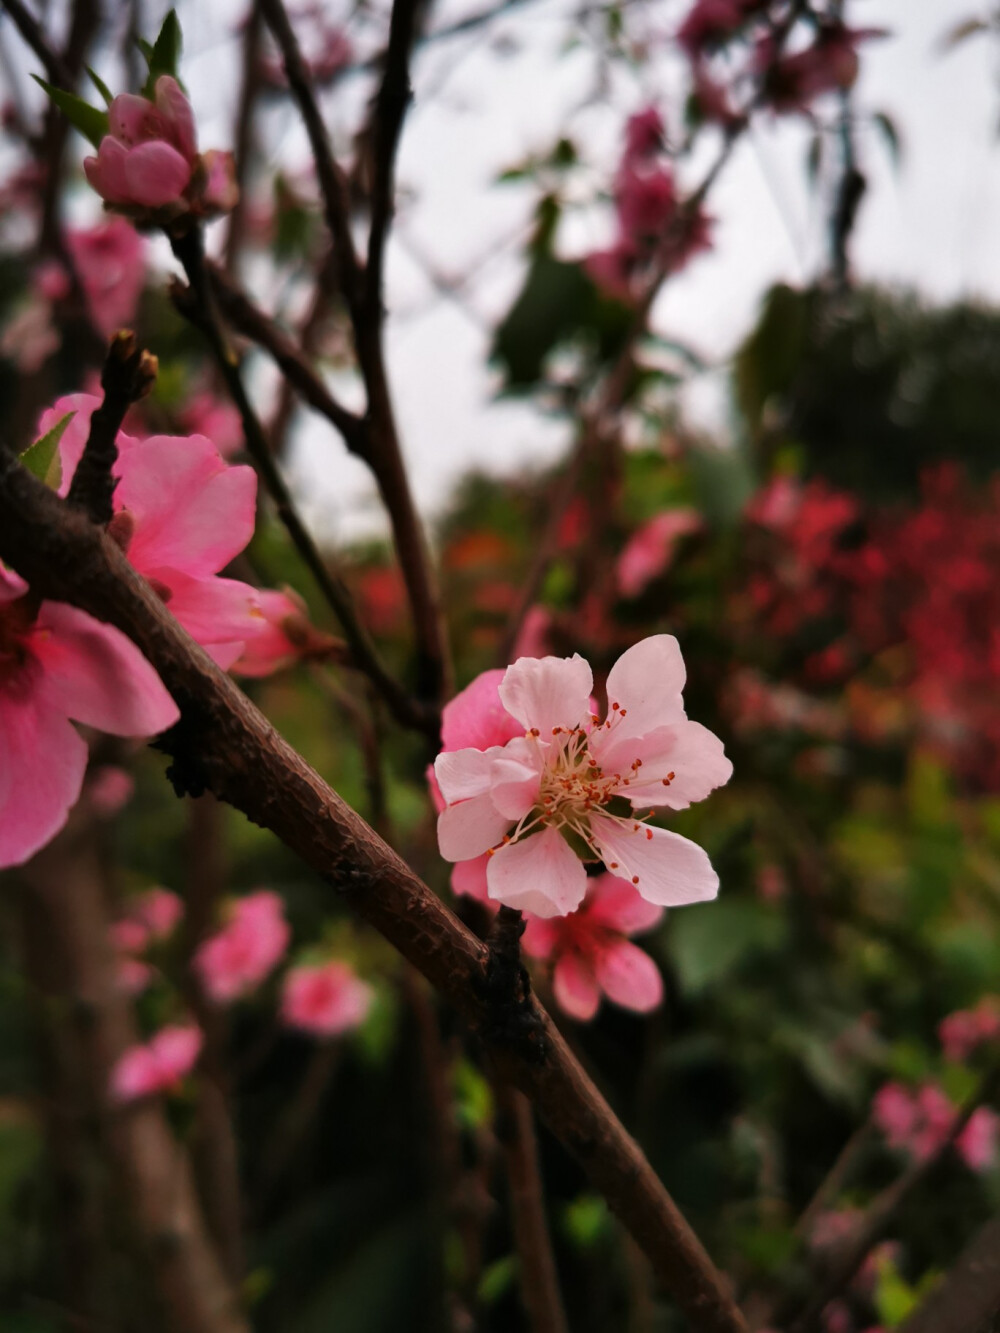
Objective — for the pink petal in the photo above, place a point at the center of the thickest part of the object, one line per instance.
(177, 115)
(548, 692)
(462, 774)
(666, 868)
(515, 775)
(469, 878)
(616, 903)
(477, 718)
(106, 172)
(74, 437)
(629, 976)
(136, 1074)
(540, 874)
(647, 682)
(42, 763)
(470, 828)
(193, 512)
(541, 937)
(575, 988)
(175, 1049)
(133, 120)
(221, 190)
(212, 610)
(693, 754)
(12, 586)
(92, 673)
(156, 174)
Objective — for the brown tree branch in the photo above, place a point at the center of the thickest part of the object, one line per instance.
(57, 71)
(222, 742)
(539, 1280)
(243, 143)
(196, 303)
(149, 1167)
(383, 446)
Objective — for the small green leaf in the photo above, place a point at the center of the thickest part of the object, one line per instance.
(165, 55)
(586, 1220)
(101, 86)
(496, 1279)
(91, 121)
(145, 47)
(42, 458)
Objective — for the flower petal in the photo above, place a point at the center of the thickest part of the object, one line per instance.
(540, 936)
(515, 776)
(106, 172)
(615, 902)
(470, 828)
(469, 878)
(93, 673)
(462, 774)
(212, 610)
(476, 716)
(42, 763)
(156, 174)
(693, 754)
(192, 511)
(629, 976)
(178, 117)
(575, 988)
(666, 868)
(540, 874)
(74, 437)
(547, 692)
(647, 682)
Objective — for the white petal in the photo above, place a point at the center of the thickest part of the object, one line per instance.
(547, 692)
(647, 682)
(515, 775)
(666, 868)
(539, 874)
(464, 773)
(693, 754)
(469, 828)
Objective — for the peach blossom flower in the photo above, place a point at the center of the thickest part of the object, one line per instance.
(650, 550)
(237, 958)
(591, 954)
(519, 802)
(158, 1065)
(58, 663)
(326, 999)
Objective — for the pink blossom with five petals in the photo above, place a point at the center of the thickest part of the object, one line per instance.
(591, 954)
(566, 784)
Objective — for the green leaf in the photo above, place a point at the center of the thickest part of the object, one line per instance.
(91, 121)
(496, 1279)
(165, 55)
(101, 86)
(473, 1096)
(711, 941)
(550, 308)
(42, 458)
(586, 1220)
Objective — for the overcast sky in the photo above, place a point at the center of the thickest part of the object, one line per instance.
(487, 100)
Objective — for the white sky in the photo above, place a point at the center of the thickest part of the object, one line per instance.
(481, 105)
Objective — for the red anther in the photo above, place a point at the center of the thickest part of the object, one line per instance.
(626, 782)
(635, 879)
(490, 851)
(612, 865)
(535, 731)
(556, 731)
(635, 828)
(615, 707)
(649, 835)
(665, 781)
(506, 838)
(624, 710)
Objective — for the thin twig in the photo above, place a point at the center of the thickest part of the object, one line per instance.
(243, 134)
(225, 744)
(539, 1280)
(56, 68)
(195, 302)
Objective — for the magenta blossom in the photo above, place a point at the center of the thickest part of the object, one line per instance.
(591, 955)
(58, 663)
(286, 636)
(237, 959)
(532, 804)
(157, 1066)
(710, 23)
(326, 999)
(644, 134)
(650, 549)
(963, 1032)
(181, 514)
(149, 158)
(920, 1122)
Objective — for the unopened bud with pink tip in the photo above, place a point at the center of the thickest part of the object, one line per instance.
(149, 158)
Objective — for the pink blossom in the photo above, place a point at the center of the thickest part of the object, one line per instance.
(236, 960)
(643, 134)
(650, 550)
(110, 789)
(109, 259)
(517, 802)
(159, 910)
(534, 634)
(181, 515)
(285, 637)
(591, 954)
(325, 999)
(791, 82)
(58, 663)
(965, 1031)
(218, 421)
(133, 976)
(895, 1113)
(157, 1066)
(646, 201)
(977, 1143)
(920, 1123)
(149, 158)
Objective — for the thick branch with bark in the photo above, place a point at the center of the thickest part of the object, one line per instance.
(224, 744)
